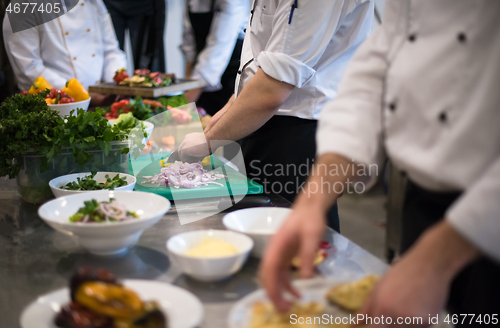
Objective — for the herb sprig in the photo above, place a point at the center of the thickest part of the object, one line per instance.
(89, 183)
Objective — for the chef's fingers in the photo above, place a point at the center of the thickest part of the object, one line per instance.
(309, 241)
(366, 310)
(276, 262)
(288, 285)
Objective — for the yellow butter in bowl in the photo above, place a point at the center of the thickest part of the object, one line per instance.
(212, 247)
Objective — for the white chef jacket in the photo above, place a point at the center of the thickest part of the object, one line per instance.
(229, 22)
(424, 88)
(308, 47)
(80, 44)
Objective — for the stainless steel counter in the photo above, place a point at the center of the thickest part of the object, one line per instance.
(34, 260)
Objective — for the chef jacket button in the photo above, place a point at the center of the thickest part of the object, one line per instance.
(239, 72)
(461, 37)
(88, 30)
(443, 117)
(245, 30)
(412, 37)
(74, 58)
(392, 106)
(93, 55)
(66, 33)
(82, 3)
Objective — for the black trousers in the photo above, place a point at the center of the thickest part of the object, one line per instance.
(476, 290)
(279, 156)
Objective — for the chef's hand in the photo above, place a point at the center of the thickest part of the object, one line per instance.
(299, 235)
(418, 284)
(194, 147)
(193, 95)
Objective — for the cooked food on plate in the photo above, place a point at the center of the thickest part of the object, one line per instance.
(98, 300)
(94, 211)
(212, 247)
(321, 255)
(184, 175)
(88, 183)
(265, 315)
(350, 296)
(143, 78)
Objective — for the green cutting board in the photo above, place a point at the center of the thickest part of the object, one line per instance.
(234, 184)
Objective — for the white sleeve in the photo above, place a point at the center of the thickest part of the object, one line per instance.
(114, 57)
(188, 46)
(23, 50)
(476, 214)
(227, 24)
(300, 36)
(350, 125)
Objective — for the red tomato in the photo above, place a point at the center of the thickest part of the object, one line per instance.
(53, 93)
(65, 100)
(24, 93)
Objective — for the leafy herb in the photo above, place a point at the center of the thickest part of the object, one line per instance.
(28, 124)
(88, 183)
(173, 101)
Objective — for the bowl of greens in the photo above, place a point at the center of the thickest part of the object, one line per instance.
(105, 222)
(78, 183)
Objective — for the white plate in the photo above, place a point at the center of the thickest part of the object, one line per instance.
(183, 309)
(312, 290)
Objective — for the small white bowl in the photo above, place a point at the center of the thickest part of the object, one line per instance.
(208, 268)
(57, 184)
(105, 238)
(65, 109)
(259, 223)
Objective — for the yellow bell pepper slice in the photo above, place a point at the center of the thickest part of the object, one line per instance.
(76, 90)
(206, 161)
(50, 101)
(40, 84)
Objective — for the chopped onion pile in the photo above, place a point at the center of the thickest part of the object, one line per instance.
(184, 175)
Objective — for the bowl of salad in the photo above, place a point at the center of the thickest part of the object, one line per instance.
(78, 183)
(105, 222)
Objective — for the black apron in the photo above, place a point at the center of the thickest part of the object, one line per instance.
(283, 142)
(476, 289)
(212, 102)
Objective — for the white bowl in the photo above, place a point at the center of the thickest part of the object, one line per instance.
(208, 268)
(105, 238)
(57, 184)
(65, 109)
(259, 223)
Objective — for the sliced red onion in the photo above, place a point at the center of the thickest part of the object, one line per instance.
(186, 175)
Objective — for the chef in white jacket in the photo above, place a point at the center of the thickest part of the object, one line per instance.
(294, 55)
(212, 42)
(423, 90)
(80, 44)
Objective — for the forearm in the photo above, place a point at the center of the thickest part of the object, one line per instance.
(320, 188)
(258, 102)
(444, 250)
(189, 70)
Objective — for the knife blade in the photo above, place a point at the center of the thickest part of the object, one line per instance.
(174, 156)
